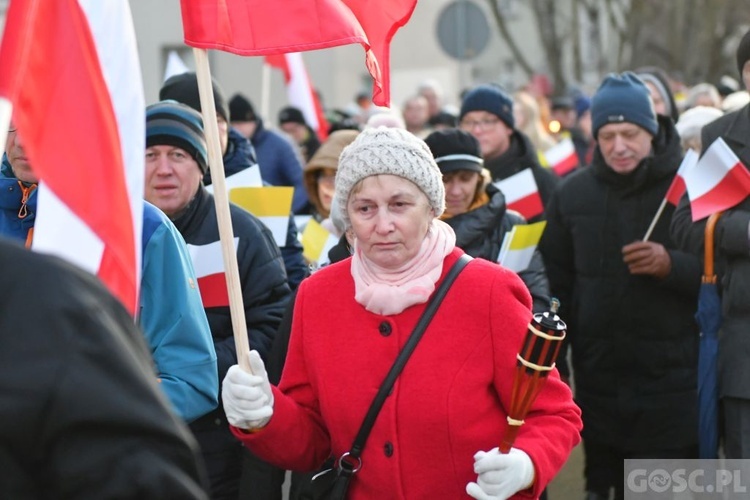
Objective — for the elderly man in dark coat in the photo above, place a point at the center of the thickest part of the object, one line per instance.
(629, 303)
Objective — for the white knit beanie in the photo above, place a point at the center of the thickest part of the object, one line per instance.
(388, 151)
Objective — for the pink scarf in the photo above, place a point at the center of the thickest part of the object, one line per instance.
(389, 292)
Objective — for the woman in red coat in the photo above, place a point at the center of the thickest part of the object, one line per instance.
(436, 434)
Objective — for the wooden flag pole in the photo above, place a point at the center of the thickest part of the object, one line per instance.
(221, 200)
(655, 220)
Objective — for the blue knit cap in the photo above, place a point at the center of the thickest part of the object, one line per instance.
(175, 124)
(623, 98)
(489, 98)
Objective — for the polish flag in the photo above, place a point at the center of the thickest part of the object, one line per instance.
(208, 262)
(300, 92)
(719, 181)
(562, 157)
(266, 27)
(72, 75)
(522, 194)
(677, 188)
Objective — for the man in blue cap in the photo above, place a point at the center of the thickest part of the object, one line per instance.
(629, 304)
(487, 114)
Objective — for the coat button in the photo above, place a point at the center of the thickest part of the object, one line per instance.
(384, 328)
(388, 449)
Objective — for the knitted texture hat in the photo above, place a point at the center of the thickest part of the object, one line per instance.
(241, 109)
(489, 98)
(743, 52)
(623, 98)
(388, 151)
(172, 123)
(455, 149)
(184, 88)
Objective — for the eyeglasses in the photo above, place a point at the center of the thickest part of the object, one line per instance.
(484, 124)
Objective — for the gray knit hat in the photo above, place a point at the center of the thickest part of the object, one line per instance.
(389, 151)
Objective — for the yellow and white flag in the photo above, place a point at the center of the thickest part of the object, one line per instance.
(249, 177)
(519, 245)
(317, 241)
(272, 205)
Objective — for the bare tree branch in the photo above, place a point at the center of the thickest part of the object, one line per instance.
(505, 33)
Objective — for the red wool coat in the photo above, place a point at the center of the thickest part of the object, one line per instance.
(447, 404)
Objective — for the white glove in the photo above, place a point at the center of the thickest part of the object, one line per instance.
(248, 400)
(500, 475)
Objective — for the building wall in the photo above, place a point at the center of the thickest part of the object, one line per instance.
(339, 73)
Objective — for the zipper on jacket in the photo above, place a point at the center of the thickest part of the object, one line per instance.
(23, 212)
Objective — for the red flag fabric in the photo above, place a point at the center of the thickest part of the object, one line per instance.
(263, 27)
(79, 132)
(522, 194)
(300, 92)
(562, 157)
(717, 182)
(678, 187)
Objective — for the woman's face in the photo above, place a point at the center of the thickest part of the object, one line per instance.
(326, 187)
(460, 190)
(390, 217)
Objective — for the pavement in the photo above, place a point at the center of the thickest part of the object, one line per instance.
(568, 484)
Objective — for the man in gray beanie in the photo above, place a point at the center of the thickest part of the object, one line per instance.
(629, 303)
(732, 254)
(487, 114)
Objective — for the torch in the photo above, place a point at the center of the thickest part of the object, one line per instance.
(536, 359)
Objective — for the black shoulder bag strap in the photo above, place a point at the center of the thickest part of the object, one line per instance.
(350, 462)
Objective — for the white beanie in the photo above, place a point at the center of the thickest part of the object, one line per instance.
(691, 122)
(388, 151)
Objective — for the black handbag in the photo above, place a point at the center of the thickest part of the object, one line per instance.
(332, 482)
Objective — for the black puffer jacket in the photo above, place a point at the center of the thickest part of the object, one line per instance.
(634, 338)
(519, 156)
(480, 233)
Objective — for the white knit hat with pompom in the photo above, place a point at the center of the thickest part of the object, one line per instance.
(388, 151)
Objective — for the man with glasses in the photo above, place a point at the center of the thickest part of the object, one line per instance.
(487, 114)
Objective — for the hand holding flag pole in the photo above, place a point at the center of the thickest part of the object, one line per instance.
(221, 200)
(544, 337)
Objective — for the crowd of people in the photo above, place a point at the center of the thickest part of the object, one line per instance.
(106, 408)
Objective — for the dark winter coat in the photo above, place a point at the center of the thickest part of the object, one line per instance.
(480, 233)
(81, 412)
(264, 294)
(732, 254)
(520, 155)
(634, 338)
(239, 156)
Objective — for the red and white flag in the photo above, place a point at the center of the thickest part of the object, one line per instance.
(562, 157)
(719, 181)
(677, 188)
(266, 27)
(300, 92)
(71, 73)
(208, 262)
(522, 194)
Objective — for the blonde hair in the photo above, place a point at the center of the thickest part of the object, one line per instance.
(532, 125)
